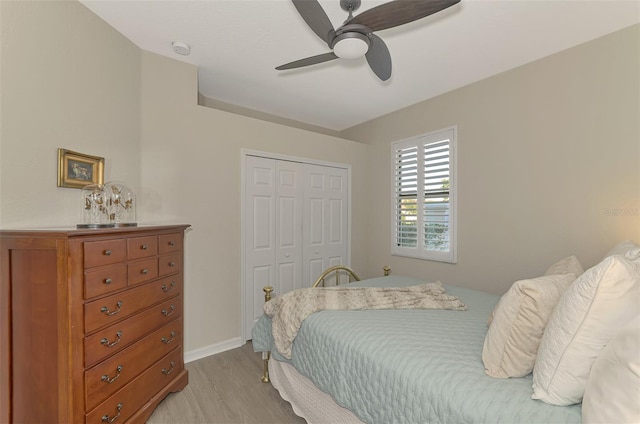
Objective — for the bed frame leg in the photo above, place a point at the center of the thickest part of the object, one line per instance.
(266, 355)
(265, 370)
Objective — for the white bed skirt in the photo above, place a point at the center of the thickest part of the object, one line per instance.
(306, 399)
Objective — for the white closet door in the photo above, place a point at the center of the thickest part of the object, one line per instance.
(325, 220)
(295, 226)
(273, 230)
(289, 198)
(259, 235)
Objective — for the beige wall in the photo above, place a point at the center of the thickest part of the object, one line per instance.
(68, 80)
(191, 158)
(548, 164)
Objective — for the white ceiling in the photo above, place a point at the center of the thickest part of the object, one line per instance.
(236, 45)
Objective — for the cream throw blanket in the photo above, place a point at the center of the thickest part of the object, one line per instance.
(289, 310)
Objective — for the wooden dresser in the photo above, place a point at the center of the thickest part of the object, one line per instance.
(91, 324)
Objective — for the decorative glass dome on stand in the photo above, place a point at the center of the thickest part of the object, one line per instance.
(94, 207)
(121, 204)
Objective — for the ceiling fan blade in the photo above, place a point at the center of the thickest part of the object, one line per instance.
(313, 60)
(317, 19)
(379, 58)
(399, 12)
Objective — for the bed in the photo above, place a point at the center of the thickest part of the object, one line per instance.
(401, 366)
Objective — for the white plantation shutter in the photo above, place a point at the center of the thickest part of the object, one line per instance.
(424, 197)
(406, 183)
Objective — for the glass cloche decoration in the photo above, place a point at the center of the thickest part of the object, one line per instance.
(121, 204)
(94, 207)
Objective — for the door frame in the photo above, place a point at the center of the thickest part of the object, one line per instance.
(277, 156)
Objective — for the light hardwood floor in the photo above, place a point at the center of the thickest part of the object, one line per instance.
(226, 389)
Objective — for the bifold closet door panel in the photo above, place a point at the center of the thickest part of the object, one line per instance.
(326, 214)
(259, 235)
(289, 225)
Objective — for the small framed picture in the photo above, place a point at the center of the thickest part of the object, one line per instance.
(76, 170)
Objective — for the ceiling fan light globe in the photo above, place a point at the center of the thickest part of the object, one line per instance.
(351, 47)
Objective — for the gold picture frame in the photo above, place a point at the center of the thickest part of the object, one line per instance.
(76, 170)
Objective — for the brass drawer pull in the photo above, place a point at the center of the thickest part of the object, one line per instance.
(105, 310)
(107, 252)
(108, 281)
(108, 419)
(172, 243)
(144, 271)
(167, 313)
(106, 342)
(105, 378)
(172, 264)
(168, 371)
(144, 247)
(167, 341)
(168, 289)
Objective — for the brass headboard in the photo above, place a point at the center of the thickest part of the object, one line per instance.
(337, 270)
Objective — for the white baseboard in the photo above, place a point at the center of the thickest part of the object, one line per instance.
(203, 352)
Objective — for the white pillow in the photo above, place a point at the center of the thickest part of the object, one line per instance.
(586, 318)
(613, 390)
(626, 248)
(519, 320)
(568, 265)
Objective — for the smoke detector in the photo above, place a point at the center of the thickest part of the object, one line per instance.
(181, 48)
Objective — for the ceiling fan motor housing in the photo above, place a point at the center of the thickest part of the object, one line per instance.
(350, 45)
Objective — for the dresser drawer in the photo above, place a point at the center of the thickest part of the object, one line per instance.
(109, 376)
(169, 243)
(126, 401)
(142, 247)
(104, 252)
(104, 280)
(143, 270)
(113, 339)
(170, 264)
(109, 310)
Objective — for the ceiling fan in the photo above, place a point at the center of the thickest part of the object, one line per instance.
(355, 37)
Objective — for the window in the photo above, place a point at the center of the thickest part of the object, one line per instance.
(424, 209)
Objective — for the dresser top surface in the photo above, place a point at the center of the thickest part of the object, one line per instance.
(74, 232)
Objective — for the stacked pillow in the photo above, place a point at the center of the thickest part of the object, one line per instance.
(626, 248)
(612, 394)
(568, 265)
(588, 316)
(518, 321)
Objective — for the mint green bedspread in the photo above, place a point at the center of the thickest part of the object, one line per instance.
(412, 366)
